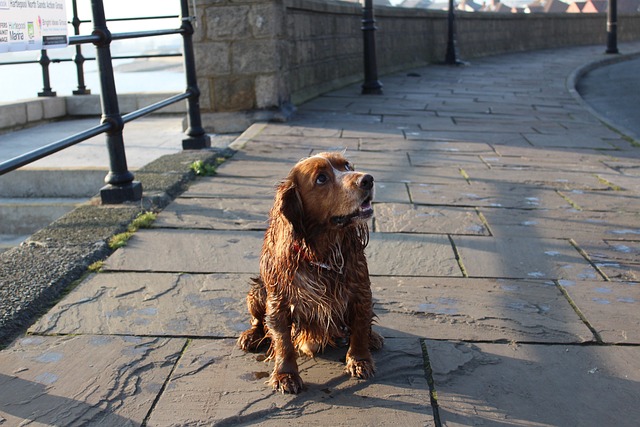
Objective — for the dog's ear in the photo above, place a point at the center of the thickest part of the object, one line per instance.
(291, 206)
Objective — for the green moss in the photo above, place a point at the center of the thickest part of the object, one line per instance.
(144, 220)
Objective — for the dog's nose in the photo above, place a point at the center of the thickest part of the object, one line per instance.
(365, 182)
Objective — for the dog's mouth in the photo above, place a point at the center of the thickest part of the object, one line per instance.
(363, 213)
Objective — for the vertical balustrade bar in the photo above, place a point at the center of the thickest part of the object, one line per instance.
(612, 27)
(451, 57)
(371, 85)
(197, 137)
(120, 184)
(79, 58)
(46, 83)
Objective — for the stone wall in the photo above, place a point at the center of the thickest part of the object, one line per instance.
(255, 57)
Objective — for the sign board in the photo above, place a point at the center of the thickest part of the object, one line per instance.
(32, 25)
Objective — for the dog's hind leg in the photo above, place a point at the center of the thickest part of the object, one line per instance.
(254, 337)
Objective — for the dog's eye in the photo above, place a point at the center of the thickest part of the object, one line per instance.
(348, 167)
(321, 179)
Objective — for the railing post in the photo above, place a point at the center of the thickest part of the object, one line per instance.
(78, 59)
(371, 85)
(451, 54)
(612, 27)
(197, 137)
(44, 63)
(120, 184)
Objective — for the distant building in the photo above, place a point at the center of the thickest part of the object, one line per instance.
(496, 6)
(547, 6)
(576, 7)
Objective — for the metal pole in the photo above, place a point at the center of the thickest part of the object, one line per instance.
(371, 85)
(78, 59)
(197, 137)
(120, 184)
(451, 56)
(612, 27)
(44, 63)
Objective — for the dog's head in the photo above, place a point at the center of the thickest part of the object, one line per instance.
(325, 191)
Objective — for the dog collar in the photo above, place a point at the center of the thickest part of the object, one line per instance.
(305, 255)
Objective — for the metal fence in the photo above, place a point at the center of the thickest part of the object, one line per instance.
(121, 185)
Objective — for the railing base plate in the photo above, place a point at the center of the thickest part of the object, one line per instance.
(112, 194)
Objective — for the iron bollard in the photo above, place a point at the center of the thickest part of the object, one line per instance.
(371, 85)
(120, 184)
(44, 63)
(612, 27)
(197, 137)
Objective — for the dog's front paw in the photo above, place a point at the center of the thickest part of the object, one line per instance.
(286, 382)
(363, 368)
(252, 339)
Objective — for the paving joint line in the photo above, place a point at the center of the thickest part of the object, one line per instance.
(433, 393)
(165, 384)
(586, 256)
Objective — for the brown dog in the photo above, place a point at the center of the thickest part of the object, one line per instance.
(314, 283)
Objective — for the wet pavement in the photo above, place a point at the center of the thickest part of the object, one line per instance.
(504, 254)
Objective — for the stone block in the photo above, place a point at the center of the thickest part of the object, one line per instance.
(507, 384)
(35, 111)
(409, 218)
(152, 304)
(227, 22)
(54, 107)
(84, 380)
(13, 115)
(611, 308)
(233, 93)
(194, 251)
(464, 309)
(212, 59)
(390, 254)
(525, 258)
(260, 56)
(215, 383)
(216, 214)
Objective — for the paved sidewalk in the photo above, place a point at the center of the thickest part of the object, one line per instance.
(505, 257)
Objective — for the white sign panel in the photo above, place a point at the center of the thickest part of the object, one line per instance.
(32, 25)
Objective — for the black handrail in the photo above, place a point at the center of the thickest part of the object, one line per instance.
(121, 186)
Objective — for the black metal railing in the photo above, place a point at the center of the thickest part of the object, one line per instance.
(120, 182)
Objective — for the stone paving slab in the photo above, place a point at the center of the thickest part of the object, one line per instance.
(557, 179)
(216, 214)
(391, 192)
(558, 223)
(436, 159)
(152, 304)
(446, 146)
(191, 251)
(215, 383)
(409, 218)
(422, 255)
(498, 195)
(493, 138)
(222, 251)
(83, 380)
(568, 140)
(562, 162)
(476, 310)
(535, 385)
(618, 259)
(238, 187)
(264, 142)
(612, 308)
(526, 258)
(607, 201)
